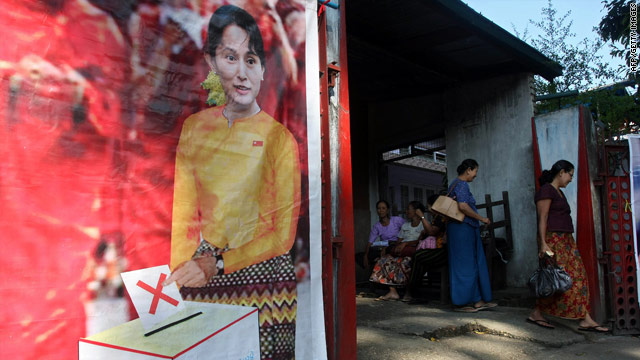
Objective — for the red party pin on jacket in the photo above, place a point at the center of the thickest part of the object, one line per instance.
(258, 143)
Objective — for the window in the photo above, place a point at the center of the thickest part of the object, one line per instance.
(418, 195)
(404, 197)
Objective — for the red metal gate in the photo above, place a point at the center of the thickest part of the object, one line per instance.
(619, 253)
(338, 259)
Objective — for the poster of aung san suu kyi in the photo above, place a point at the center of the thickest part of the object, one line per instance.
(139, 133)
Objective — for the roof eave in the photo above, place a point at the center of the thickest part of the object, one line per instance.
(538, 63)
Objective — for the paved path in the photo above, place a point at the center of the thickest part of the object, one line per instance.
(396, 330)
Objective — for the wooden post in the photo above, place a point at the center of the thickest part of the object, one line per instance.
(491, 241)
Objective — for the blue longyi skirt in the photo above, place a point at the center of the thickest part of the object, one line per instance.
(468, 272)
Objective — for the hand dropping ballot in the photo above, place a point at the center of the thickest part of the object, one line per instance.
(170, 328)
(153, 301)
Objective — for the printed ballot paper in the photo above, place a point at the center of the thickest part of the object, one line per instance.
(153, 302)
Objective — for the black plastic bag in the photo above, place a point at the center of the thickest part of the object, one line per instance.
(549, 279)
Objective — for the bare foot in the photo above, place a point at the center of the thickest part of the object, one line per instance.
(588, 324)
(541, 322)
(390, 296)
(482, 305)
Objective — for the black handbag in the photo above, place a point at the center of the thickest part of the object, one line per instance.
(549, 279)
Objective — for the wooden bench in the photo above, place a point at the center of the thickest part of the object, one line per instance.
(489, 233)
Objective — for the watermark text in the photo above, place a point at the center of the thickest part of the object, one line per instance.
(633, 36)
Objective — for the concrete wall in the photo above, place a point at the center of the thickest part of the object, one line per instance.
(550, 128)
(490, 121)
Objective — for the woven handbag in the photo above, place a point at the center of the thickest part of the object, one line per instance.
(448, 207)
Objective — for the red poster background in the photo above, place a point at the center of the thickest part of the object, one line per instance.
(91, 110)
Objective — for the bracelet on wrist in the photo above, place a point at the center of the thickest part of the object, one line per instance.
(219, 264)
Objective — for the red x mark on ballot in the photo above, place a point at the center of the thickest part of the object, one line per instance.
(157, 294)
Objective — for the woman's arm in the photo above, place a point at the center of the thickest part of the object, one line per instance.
(468, 211)
(430, 229)
(542, 207)
(375, 232)
(365, 261)
(185, 225)
(398, 246)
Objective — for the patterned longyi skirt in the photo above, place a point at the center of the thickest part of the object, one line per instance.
(392, 271)
(574, 303)
(269, 286)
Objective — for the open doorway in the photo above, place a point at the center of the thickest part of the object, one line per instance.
(412, 173)
(405, 174)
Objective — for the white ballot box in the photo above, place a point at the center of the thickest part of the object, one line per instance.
(219, 332)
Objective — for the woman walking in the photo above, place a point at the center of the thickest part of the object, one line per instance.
(469, 276)
(555, 229)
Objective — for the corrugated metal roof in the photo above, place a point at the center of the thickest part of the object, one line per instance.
(421, 163)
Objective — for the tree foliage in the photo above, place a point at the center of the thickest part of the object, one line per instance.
(615, 27)
(586, 71)
(583, 68)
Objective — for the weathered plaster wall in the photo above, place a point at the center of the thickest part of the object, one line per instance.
(550, 129)
(490, 121)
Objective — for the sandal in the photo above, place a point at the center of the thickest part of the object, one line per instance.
(466, 309)
(486, 306)
(594, 328)
(542, 323)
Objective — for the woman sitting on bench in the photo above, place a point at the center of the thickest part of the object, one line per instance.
(394, 266)
(433, 257)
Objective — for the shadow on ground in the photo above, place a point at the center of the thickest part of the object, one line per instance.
(397, 330)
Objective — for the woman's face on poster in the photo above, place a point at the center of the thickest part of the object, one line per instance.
(239, 67)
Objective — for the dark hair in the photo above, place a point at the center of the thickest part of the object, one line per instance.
(383, 202)
(467, 164)
(417, 205)
(548, 175)
(432, 199)
(228, 15)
